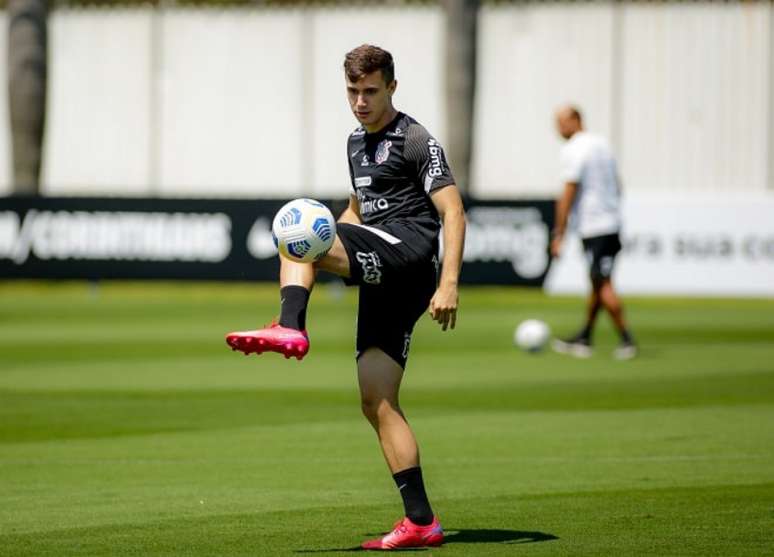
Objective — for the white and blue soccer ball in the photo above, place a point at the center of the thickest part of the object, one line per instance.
(532, 335)
(303, 230)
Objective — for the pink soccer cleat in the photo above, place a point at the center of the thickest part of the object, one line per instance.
(274, 338)
(407, 534)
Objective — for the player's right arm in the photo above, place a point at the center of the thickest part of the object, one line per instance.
(562, 214)
(571, 161)
(351, 214)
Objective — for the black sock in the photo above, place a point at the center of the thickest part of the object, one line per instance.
(584, 334)
(293, 302)
(626, 336)
(412, 489)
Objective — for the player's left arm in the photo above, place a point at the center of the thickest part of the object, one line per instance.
(443, 305)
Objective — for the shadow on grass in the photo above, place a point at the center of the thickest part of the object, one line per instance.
(476, 535)
(487, 535)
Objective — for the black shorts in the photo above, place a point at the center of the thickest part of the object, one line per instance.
(600, 253)
(396, 283)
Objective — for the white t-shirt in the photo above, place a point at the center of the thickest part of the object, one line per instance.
(587, 160)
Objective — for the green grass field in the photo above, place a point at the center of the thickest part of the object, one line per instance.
(128, 428)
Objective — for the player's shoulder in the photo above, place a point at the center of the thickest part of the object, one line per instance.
(591, 139)
(358, 133)
(419, 139)
(597, 146)
(415, 130)
(568, 148)
(581, 143)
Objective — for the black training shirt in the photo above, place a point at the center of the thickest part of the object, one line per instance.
(394, 171)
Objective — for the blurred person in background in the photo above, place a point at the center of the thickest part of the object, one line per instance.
(591, 202)
(386, 242)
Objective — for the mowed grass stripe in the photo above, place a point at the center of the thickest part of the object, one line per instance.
(457, 368)
(39, 415)
(688, 521)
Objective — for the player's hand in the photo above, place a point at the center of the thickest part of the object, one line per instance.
(556, 246)
(443, 306)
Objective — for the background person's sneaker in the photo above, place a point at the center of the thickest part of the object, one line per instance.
(625, 351)
(577, 346)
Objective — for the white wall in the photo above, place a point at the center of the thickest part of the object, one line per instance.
(231, 118)
(681, 89)
(203, 102)
(97, 123)
(250, 102)
(695, 96)
(532, 58)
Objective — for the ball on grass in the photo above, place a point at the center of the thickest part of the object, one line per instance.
(532, 335)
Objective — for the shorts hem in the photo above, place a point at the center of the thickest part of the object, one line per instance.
(401, 363)
(352, 279)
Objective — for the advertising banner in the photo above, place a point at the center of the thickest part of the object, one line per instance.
(697, 245)
(130, 238)
(507, 242)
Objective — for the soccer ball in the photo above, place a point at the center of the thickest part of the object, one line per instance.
(531, 335)
(303, 230)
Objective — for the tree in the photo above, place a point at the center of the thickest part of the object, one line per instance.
(27, 76)
(461, 26)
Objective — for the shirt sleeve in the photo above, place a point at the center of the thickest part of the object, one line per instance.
(428, 159)
(351, 172)
(571, 165)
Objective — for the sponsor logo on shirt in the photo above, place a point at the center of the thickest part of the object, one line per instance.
(362, 181)
(373, 205)
(365, 161)
(436, 158)
(382, 151)
(368, 205)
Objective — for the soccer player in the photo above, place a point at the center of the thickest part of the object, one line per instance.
(592, 193)
(402, 191)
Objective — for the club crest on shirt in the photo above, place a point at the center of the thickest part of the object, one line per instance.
(382, 151)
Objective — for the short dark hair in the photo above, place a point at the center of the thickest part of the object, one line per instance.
(366, 59)
(575, 113)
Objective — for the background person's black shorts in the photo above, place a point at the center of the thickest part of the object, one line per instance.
(600, 253)
(396, 284)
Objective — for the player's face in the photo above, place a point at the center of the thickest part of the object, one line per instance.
(370, 99)
(566, 125)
